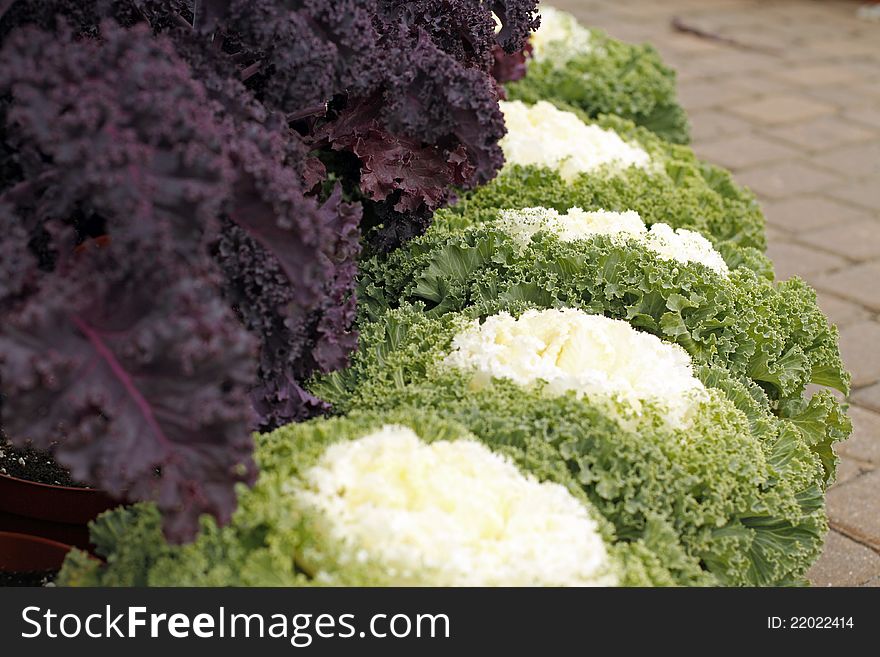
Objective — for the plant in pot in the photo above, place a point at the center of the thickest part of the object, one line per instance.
(38, 497)
(184, 190)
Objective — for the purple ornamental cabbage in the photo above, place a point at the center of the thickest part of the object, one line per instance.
(184, 190)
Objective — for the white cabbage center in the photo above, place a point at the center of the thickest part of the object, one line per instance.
(590, 355)
(682, 245)
(542, 135)
(451, 513)
(559, 38)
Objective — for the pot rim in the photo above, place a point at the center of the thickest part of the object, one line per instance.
(31, 538)
(70, 489)
(28, 552)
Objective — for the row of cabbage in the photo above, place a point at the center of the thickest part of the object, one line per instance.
(584, 373)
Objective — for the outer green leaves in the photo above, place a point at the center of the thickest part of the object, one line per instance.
(270, 541)
(611, 78)
(770, 334)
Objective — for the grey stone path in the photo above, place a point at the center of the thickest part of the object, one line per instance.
(794, 110)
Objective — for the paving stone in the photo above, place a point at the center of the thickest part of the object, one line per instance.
(795, 260)
(596, 17)
(865, 193)
(643, 10)
(781, 40)
(700, 93)
(857, 241)
(871, 89)
(742, 151)
(818, 75)
(676, 43)
(869, 397)
(713, 124)
(785, 179)
(858, 346)
(782, 108)
(632, 33)
(757, 85)
(864, 444)
(683, 74)
(866, 66)
(843, 48)
(822, 134)
(806, 213)
(727, 19)
(776, 235)
(699, 5)
(839, 311)
(844, 563)
(729, 61)
(841, 97)
(831, 20)
(867, 115)
(862, 160)
(848, 469)
(852, 509)
(801, 53)
(726, 23)
(576, 6)
(859, 283)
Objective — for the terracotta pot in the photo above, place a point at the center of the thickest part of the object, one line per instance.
(58, 513)
(53, 503)
(22, 553)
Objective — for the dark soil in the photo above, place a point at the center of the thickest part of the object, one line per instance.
(29, 578)
(33, 465)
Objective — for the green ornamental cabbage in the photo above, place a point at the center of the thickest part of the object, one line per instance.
(771, 337)
(598, 74)
(676, 188)
(737, 491)
(394, 498)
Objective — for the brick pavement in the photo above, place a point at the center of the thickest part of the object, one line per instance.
(795, 113)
